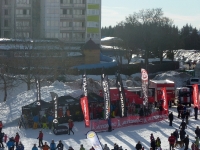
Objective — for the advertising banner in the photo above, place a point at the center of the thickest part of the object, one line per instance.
(164, 97)
(94, 140)
(85, 109)
(195, 95)
(102, 125)
(38, 91)
(106, 93)
(54, 97)
(122, 97)
(84, 84)
(144, 78)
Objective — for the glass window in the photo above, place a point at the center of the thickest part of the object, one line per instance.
(24, 11)
(5, 23)
(6, 12)
(6, 2)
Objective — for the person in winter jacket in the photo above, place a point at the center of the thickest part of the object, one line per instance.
(1, 140)
(182, 134)
(179, 109)
(183, 125)
(176, 134)
(45, 146)
(82, 148)
(10, 144)
(187, 114)
(158, 142)
(50, 121)
(92, 148)
(151, 137)
(138, 146)
(17, 137)
(171, 118)
(1, 126)
(70, 148)
(186, 142)
(153, 144)
(194, 147)
(106, 147)
(34, 147)
(20, 146)
(44, 122)
(171, 140)
(40, 138)
(52, 145)
(60, 145)
(35, 121)
(197, 131)
(70, 124)
(197, 142)
(116, 147)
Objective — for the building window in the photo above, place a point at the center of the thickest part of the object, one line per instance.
(6, 2)
(64, 11)
(5, 23)
(24, 11)
(6, 12)
(7, 34)
(61, 1)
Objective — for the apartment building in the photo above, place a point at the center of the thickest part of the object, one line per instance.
(74, 21)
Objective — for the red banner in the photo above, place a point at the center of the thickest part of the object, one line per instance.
(102, 125)
(195, 95)
(144, 77)
(164, 97)
(84, 106)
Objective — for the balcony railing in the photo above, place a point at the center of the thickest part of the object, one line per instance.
(66, 5)
(79, 28)
(79, 16)
(23, 5)
(65, 16)
(23, 16)
(65, 28)
(79, 5)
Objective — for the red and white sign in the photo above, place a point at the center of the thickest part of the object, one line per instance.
(85, 109)
(196, 95)
(164, 97)
(102, 125)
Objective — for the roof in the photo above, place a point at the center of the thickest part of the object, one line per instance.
(162, 81)
(91, 45)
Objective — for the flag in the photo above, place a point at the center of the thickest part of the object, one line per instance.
(84, 84)
(38, 91)
(85, 109)
(144, 78)
(122, 97)
(106, 93)
(164, 97)
(54, 97)
(195, 95)
(94, 140)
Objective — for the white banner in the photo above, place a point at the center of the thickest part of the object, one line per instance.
(94, 140)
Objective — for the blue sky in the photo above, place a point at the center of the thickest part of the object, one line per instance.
(180, 11)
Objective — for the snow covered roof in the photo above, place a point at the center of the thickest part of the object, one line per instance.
(110, 38)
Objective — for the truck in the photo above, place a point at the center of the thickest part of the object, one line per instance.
(170, 89)
(184, 95)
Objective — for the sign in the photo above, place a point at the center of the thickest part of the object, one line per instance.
(94, 140)
(85, 109)
(38, 92)
(54, 96)
(164, 97)
(84, 84)
(144, 78)
(195, 95)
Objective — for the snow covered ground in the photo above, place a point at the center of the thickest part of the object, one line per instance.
(126, 137)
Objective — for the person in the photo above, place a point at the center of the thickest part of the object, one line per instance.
(45, 146)
(35, 121)
(44, 122)
(183, 125)
(195, 112)
(153, 144)
(120, 148)
(179, 109)
(10, 144)
(182, 134)
(20, 146)
(82, 148)
(194, 147)
(92, 148)
(106, 147)
(176, 134)
(70, 124)
(138, 146)
(60, 145)
(186, 142)
(1, 126)
(182, 115)
(197, 131)
(50, 121)
(171, 140)
(17, 137)
(40, 137)
(116, 147)
(34, 147)
(70, 148)
(158, 143)
(197, 142)
(171, 117)
(187, 114)
(151, 137)
(52, 145)
(1, 140)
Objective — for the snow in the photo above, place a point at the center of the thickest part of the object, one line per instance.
(126, 137)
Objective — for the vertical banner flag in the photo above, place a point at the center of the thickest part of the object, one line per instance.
(54, 97)
(144, 78)
(106, 93)
(85, 109)
(164, 97)
(94, 140)
(121, 95)
(195, 95)
(38, 91)
(84, 84)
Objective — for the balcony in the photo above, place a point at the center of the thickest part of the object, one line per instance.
(23, 5)
(66, 5)
(79, 5)
(65, 28)
(79, 28)
(79, 16)
(65, 16)
(22, 28)
(23, 16)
